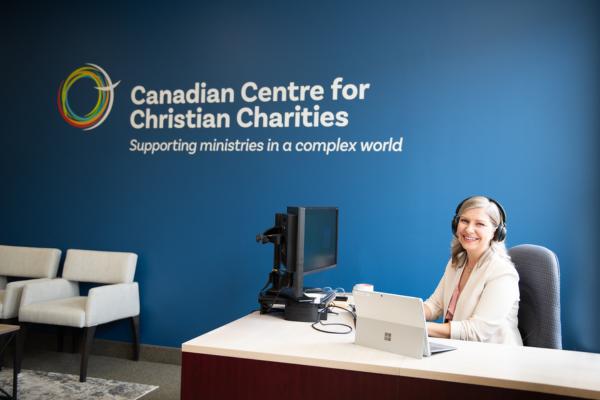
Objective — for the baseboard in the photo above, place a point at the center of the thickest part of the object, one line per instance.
(108, 348)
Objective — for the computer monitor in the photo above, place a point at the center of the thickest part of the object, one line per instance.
(306, 242)
(310, 242)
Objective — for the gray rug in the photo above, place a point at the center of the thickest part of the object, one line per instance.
(36, 385)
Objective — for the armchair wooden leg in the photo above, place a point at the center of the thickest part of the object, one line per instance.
(88, 335)
(17, 366)
(23, 334)
(75, 333)
(135, 328)
(2, 345)
(3, 340)
(60, 337)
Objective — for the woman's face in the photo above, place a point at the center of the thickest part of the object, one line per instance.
(475, 231)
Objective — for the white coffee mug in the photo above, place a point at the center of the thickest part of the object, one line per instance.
(365, 287)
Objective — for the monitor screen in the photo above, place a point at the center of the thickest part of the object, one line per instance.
(311, 242)
(319, 249)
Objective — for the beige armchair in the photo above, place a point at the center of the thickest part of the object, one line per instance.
(57, 302)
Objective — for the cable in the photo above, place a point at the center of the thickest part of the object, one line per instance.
(274, 301)
(327, 309)
(348, 311)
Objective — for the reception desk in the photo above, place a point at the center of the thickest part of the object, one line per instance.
(265, 357)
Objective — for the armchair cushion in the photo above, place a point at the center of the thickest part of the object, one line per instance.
(99, 266)
(29, 262)
(63, 312)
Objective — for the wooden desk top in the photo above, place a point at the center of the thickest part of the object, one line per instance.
(270, 338)
(8, 328)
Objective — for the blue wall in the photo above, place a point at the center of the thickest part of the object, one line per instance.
(490, 98)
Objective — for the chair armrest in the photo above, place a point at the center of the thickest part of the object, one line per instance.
(112, 302)
(53, 289)
(12, 297)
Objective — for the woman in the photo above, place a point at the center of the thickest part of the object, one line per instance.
(479, 292)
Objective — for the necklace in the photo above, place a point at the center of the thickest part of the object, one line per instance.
(470, 269)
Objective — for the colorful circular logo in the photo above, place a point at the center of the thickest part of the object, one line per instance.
(105, 97)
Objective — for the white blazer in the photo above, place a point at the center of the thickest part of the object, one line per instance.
(487, 308)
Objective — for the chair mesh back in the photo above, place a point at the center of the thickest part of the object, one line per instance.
(539, 286)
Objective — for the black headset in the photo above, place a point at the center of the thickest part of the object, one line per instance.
(500, 233)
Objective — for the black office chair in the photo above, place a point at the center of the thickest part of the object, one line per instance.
(539, 285)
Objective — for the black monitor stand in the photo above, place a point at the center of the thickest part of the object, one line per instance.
(303, 309)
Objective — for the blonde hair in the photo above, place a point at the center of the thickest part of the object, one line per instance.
(459, 254)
